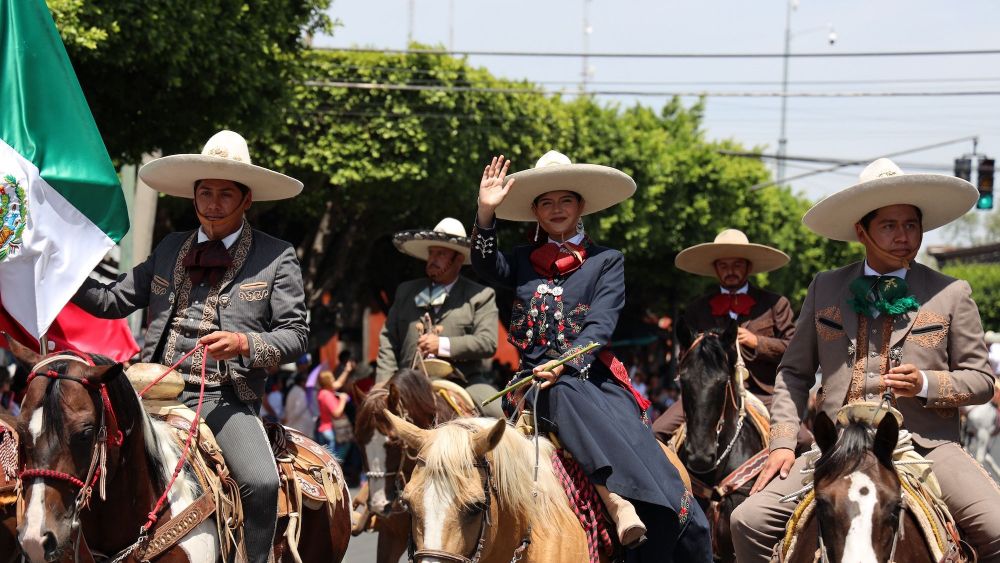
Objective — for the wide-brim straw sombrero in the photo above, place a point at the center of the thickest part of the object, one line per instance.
(449, 233)
(730, 243)
(940, 198)
(599, 186)
(224, 157)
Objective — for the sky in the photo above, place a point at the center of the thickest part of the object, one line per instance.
(841, 128)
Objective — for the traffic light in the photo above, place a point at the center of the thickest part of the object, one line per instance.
(985, 184)
(963, 169)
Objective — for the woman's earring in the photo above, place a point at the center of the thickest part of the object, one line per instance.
(579, 226)
(537, 229)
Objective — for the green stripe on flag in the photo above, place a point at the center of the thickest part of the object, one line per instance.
(45, 117)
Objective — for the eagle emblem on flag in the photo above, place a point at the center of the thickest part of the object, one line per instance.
(13, 215)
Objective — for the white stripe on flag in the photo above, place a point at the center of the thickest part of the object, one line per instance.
(60, 248)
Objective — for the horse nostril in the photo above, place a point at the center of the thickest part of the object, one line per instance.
(49, 544)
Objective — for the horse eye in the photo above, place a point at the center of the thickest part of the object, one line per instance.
(475, 508)
(85, 435)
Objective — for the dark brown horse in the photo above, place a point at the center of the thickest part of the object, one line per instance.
(83, 431)
(859, 503)
(407, 394)
(720, 439)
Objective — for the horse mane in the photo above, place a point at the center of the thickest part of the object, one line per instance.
(415, 391)
(709, 353)
(848, 454)
(450, 467)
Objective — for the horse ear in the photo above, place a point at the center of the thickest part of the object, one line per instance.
(825, 432)
(25, 356)
(394, 402)
(105, 374)
(886, 439)
(411, 435)
(729, 335)
(484, 441)
(359, 394)
(685, 336)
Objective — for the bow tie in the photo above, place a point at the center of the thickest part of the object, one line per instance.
(207, 259)
(885, 294)
(553, 259)
(739, 303)
(433, 296)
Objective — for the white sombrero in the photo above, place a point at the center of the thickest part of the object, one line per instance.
(940, 198)
(599, 186)
(225, 157)
(449, 233)
(730, 243)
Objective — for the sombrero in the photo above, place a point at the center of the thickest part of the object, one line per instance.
(600, 186)
(940, 198)
(449, 233)
(225, 157)
(730, 243)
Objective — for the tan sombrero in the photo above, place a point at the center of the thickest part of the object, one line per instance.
(600, 186)
(449, 233)
(225, 157)
(940, 198)
(730, 243)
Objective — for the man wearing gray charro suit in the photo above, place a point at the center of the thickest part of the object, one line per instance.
(227, 286)
(883, 323)
(463, 313)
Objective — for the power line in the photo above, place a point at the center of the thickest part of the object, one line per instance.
(693, 94)
(826, 160)
(567, 54)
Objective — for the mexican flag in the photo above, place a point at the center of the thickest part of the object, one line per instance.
(61, 203)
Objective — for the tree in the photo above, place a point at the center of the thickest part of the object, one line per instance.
(985, 282)
(167, 74)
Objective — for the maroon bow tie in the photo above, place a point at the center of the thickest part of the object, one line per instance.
(207, 259)
(739, 303)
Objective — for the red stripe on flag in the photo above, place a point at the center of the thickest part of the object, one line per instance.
(76, 329)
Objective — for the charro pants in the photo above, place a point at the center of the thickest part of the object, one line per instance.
(247, 452)
(973, 498)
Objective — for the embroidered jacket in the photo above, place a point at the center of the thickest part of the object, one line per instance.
(944, 338)
(260, 295)
(552, 318)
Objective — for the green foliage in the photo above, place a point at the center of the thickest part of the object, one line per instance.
(166, 74)
(985, 282)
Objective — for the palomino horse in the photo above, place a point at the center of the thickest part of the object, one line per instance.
(860, 510)
(722, 449)
(91, 456)
(473, 496)
(408, 394)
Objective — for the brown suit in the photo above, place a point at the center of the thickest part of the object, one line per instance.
(944, 339)
(770, 319)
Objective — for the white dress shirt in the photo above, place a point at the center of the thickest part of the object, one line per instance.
(901, 274)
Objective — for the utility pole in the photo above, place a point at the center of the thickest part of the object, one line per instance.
(409, 32)
(782, 138)
(451, 25)
(587, 30)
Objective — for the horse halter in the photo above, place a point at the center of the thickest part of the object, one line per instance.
(415, 555)
(734, 390)
(97, 470)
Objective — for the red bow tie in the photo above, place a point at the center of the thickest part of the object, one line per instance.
(739, 303)
(552, 260)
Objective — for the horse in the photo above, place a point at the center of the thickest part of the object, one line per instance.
(408, 393)
(473, 496)
(719, 440)
(82, 427)
(10, 551)
(860, 513)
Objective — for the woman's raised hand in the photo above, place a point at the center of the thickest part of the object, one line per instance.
(492, 190)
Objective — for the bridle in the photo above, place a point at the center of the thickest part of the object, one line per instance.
(483, 465)
(107, 434)
(735, 392)
(400, 474)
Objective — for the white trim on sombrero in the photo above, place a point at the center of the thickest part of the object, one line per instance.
(731, 243)
(600, 187)
(941, 199)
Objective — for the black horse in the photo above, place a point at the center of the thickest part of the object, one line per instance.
(723, 450)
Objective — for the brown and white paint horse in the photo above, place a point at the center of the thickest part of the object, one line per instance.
(73, 403)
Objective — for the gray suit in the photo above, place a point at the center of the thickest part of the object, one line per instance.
(468, 318)
(259, 295)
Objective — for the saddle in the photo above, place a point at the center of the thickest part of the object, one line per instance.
(310, 476)
(456, 397)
